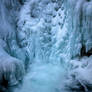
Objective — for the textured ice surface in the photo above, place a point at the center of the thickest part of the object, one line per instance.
(55, 31)
(44, 30)
(81, 26)
(43, 78)
(49, 34)
(11, 68)
(79, 78)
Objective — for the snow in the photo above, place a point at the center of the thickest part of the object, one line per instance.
(80, 75)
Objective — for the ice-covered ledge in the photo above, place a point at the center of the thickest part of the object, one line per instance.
(11, 69)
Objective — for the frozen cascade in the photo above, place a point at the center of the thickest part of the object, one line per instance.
(49, 39)
(53, 33)
(38, 32)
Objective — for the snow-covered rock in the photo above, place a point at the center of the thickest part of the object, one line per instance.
(80, 76)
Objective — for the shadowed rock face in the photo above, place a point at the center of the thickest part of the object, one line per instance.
(84, 53)
(21, 1)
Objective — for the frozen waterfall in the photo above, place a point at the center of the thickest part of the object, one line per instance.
(45, 45)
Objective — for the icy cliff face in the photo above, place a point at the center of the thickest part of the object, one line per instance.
(81, 34)
(11, 69)
(80, 45)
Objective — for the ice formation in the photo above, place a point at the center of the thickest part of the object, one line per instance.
(80, 45)
(50, 38)
(11, 67)
(58, 32)
(42, 26)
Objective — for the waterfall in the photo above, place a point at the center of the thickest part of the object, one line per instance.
(42, 31)
(54, 37)
(48, 41)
